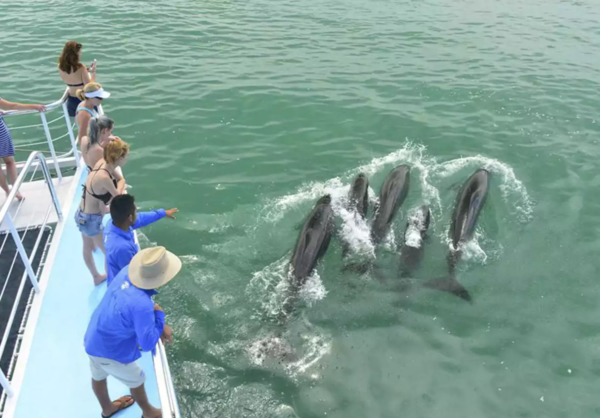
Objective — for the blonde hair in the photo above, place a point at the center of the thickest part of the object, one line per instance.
(88, 88)
(115, 150)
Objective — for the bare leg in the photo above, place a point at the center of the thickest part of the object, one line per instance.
(148, 411)
(3, 183)
(11, 170)
(99, 243)
(88, 248)
(101, 391)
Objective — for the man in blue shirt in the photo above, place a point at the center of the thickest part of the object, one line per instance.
(119, 241)
(126, 321)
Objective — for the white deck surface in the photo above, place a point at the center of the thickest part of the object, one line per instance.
(32, 210)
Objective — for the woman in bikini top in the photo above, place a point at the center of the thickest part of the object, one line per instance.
(102, 184)
(74, 73)
(104, 181)
(91, 97)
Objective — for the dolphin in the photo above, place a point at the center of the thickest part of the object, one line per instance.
(469, 203)
(358, 197)
(312, 243)
(413, 248)
(358, 203)
(392, 195)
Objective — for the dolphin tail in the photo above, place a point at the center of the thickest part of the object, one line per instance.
(449, 284)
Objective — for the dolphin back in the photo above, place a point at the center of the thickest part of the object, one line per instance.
(393, 193)
(359, 195)
(313, 241)
(469, 203)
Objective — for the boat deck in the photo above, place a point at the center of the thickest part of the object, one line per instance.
(55, 380)
(32, 209)
(15, 284)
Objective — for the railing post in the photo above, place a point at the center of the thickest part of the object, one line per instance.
(6, 385)
(71, 135)
(22, 253)
(51, 188)
(51, 145)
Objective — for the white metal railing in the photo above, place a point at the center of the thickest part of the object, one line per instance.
(166, 390)
(26, 259)
(68, 158)
(36, 159)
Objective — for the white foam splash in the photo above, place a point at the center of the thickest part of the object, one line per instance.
(312, 347)
(416, 224)
(355, 231)
(338, 187)
(316, 348)
(268, 348)
(389, 243)
(472, 251)
(510, 186)
(313, 289)
(272, 284)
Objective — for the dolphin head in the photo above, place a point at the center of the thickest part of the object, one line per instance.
(325, 200)
(359, 195)
(483, 172)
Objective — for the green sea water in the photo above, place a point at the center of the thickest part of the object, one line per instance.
(243, 113)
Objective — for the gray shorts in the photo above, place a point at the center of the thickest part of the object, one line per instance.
(90, 225)
(130, 374)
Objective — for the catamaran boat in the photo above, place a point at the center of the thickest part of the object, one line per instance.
(47, 295)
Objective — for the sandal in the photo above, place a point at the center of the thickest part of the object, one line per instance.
(123, 405)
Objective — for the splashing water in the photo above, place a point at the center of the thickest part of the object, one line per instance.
(428, 172)
(510, 186)
(272, 284)
(294, 359)
(416, 223)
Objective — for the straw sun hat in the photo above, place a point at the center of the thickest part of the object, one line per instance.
(153, 267)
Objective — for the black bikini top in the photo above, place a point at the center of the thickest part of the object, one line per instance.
(105, 197)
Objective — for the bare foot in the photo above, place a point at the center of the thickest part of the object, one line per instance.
(118, 405)
(99, 279)
(19, 196)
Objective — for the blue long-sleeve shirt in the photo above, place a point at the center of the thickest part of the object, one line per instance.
(124, 322)
(120, 245)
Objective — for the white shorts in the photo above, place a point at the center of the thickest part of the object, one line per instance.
(131, 374)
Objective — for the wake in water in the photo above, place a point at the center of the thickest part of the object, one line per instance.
(356, 234)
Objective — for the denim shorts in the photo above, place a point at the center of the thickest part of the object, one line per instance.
(89, 224)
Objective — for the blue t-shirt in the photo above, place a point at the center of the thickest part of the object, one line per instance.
(120, 245)
(124, 322)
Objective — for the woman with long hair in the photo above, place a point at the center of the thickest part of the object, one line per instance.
(103, 183)
(99, 135)
(74, 73)
(91, 97)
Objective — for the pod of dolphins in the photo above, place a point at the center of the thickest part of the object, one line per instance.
(316, 233)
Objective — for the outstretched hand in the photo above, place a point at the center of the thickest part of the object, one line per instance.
(171, 213)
